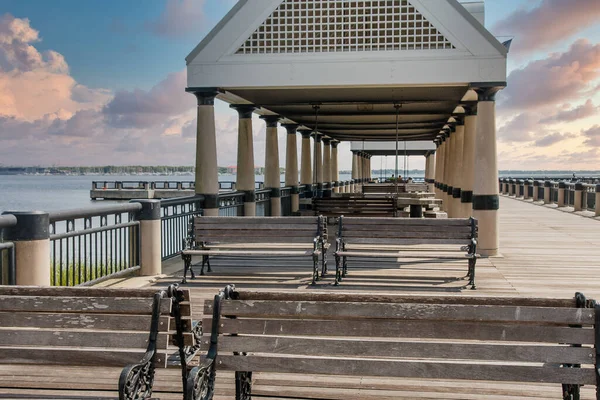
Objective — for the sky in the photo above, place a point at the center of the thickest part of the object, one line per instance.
(100, 82)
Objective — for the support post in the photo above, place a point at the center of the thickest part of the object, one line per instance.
(578, 202)
(318, 162)
(561, 194)
(150, 237)
(536, 190)
(354, 188)
(450, 144)
(438, 166)
(597, 207)
(31, 236)
(272, 175)
(486, 200)
(305, 164)
(245, 157)
(547, 187)
(335, 171)
(291, 165)
(526, 185)
(458, 171)
(466, 194)
(207, 171)
(327, 167)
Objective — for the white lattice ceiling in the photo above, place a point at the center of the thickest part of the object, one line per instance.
(329, 26)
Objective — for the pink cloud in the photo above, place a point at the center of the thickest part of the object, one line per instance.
(592, 136)
(519, 129)
(550, 22)
(585, 110)
(558, 78)
(553, 138)
(179, 18)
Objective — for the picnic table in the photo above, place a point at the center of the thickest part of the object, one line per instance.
(416, 204)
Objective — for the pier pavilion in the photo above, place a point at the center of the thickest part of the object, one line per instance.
(419, 70)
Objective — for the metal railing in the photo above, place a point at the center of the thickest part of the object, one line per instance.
(263, 203)
(231, 204)
(93, 244)
(8, 274)
(175, 217)
(286, 201)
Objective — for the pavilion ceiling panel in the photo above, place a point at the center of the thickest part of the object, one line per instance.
(331, 26)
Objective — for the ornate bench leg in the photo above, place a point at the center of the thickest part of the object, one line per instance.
(345, 270)
(135, 381)
(187, 262)
(243, 385)
(323, 261)
(200, 383)
(472, 262)
(338, 270)
(205, 261)
(315, 275)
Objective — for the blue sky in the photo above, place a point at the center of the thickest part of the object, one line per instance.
(103, 80)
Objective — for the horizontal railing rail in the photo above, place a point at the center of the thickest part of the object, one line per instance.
(8, 273)
(93, 244)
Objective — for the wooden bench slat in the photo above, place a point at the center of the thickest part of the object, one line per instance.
(73, 356)
(402, 234)
(403, 254)
(393, 241)
(504, 332)
(225, 233)
(411, 228)
(312, 227)
(445, 312)
(408, 221)
(409, 299)
(256, 220)
(290, 253)
(80, 321)
(113, 305)
(82, 292)
(89, 338)
(420, 350)
(433, 370)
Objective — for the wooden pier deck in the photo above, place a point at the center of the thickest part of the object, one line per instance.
(545, 253)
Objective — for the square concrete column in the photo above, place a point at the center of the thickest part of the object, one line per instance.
(150, 237)
(318, 163)
(272, 175)
(597, 207)
(526, 185)
(335, 172)
(245, 157)
(291, 165)
(561, 194)
(466, 193)
(31, 238)
(327, 167)
(580, 192)
(207, 171)
(306, 164)
(547, 187)
(486, 200)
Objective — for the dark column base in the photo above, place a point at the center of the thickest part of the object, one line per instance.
(416, 211)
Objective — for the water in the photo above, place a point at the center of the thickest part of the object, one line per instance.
(52, 193)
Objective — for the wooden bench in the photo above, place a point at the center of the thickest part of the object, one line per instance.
(44, 332)
(333, 345)
(402, 237)
(390, 188)
(375, 206)
(256, 236)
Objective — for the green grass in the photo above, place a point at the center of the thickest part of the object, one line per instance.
(76, 273)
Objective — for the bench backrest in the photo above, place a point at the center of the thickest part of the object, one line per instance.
(477, 338)
(85, 326)
(407, 231)
(383, 188)
(214, 230)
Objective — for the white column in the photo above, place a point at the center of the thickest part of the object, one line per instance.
(272, 175)
(459, 138)
(207, 171)
(485, 184)
(318, 162)
(291, 165)
(439, 165)
(327, 167)
(354, 171)
(448, 172)
(468, 160)
(335, 172)
(245, 158)
(305, 165)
